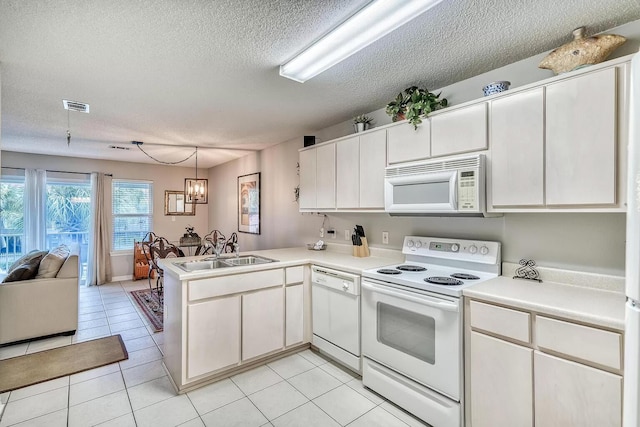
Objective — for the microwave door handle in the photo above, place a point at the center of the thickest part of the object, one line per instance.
(453, 190)
(424, 300)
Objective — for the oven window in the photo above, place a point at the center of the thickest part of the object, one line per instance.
(430, 192)
(408, 332)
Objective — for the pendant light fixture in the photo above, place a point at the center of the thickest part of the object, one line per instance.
(196, 190)
(374, 21)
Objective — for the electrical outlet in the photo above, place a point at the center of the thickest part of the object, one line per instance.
(322, 232)
(332, 232)
(385, 237)
(347, 234)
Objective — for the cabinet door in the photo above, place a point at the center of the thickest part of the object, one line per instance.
(294, 317)
(307, 198)
(373, 159)
(501, 383)
(326, 176)
(404, 144)
(459, 131)
(517, 149)
(570, 394)
(214, 335)
(262, 322)
(581, 140)
(348, 173)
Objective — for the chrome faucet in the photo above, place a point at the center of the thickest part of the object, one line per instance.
(236, 249)
(219, 247)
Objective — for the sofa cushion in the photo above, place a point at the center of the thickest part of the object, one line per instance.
(52, 262)
(24, 271)
(26, 258)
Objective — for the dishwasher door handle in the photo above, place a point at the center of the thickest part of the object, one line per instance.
(422, 299)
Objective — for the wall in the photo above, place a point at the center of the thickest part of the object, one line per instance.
(163, 177)
(588, 242)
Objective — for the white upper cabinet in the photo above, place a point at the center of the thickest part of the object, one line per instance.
(406, 144)
(318, 178)
(517, 149)
(459, 131)
(326, 177)
(581, 140)
(360, 171)
(558, 146)
(307, 199)
(348, 173)
(373, 159)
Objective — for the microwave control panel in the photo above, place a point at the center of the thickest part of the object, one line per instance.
(467, 190)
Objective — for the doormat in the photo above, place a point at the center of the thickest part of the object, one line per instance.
(150, 306)
(22, 371)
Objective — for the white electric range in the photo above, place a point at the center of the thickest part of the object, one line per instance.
(412, 324)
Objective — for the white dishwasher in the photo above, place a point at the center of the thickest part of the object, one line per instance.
(335, 299)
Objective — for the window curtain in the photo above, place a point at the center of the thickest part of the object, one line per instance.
(98, 258)
(35, 209)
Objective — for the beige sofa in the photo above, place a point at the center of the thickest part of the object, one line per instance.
(40, 307)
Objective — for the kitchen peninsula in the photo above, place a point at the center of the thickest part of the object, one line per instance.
(221, 321)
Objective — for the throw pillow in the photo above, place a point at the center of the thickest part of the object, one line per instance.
(26, 258)
(25, 271)
(52, 262)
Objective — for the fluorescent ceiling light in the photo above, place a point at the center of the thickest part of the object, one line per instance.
(374, 21)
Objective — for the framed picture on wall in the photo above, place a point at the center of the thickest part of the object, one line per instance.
(249, 203)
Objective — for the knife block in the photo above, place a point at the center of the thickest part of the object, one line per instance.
(362, 250)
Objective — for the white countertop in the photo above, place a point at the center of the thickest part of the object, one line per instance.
(582, 304)
(335, 256)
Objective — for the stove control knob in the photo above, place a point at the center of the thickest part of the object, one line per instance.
(484, 250)
(455, 247)
(418, 244)
(473, 249)
(410, 243)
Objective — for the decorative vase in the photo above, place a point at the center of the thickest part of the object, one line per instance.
(582, 51)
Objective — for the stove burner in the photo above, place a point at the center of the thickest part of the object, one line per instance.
(410, 268)
(465, 276)
(389, 271)
(447, 281)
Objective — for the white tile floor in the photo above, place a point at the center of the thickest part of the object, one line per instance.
(303, 389)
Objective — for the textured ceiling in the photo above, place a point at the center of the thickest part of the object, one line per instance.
(196, 72)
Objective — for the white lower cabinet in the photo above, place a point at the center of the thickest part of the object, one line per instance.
(571, 394)
(501, 383)
(294, 314)
(565, 374)
(215, 325)
(214, 335)
(262, 322)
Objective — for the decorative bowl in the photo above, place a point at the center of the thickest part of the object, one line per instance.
(495, 87)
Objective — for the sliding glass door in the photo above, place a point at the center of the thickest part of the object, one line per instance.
(67, 215)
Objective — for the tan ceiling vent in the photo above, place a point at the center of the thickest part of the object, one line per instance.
(75, 106)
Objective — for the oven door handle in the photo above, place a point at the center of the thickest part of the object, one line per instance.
(423, 299)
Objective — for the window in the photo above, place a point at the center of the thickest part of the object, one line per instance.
(132, 203)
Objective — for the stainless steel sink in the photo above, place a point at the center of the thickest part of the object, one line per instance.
(204, 264)
(248, 260)
(213, 263)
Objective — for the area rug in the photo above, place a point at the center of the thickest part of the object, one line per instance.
(150, 306)
(22, 371)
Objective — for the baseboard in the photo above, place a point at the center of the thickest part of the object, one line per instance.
(121, 278)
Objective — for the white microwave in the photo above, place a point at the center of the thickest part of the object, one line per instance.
(454, 186)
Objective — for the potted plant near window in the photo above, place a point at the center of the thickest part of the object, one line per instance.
(361, 123)
(414, 103)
